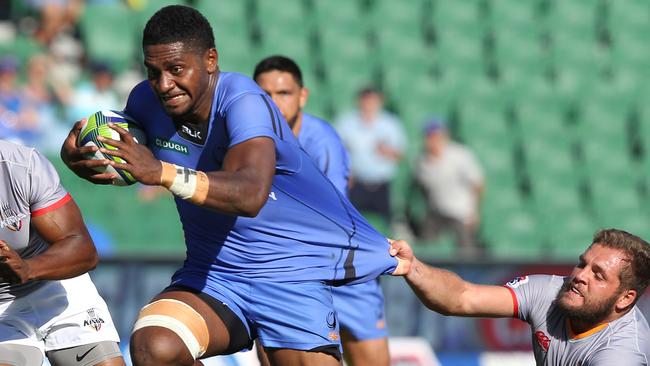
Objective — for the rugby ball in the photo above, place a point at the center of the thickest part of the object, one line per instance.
(97, 125)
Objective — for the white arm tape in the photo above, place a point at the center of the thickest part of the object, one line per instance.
(184, 184)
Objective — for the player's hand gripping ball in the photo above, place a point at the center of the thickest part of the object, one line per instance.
(97, 125)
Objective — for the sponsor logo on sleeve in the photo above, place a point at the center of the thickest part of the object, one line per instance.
(542, 340)
(10, 218)
(521, 280)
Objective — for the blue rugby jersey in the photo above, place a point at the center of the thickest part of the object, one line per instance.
(321, 142)
(307, 230)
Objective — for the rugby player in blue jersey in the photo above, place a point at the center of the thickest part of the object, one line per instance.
(359, 308)
(267, 234)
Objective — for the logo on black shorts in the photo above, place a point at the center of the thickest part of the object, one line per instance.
(331, 319)
(93, 320)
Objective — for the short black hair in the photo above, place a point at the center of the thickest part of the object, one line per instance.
(370, 89)
(178, 23)
(279, 63)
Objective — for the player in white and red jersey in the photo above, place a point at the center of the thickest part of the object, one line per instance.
(587, 318)
(48, 303)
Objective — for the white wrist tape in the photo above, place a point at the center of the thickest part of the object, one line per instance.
(185, 183)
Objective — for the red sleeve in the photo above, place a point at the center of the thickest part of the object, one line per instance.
(515, 304)
(53, 206)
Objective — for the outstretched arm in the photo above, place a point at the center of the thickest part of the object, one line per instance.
(446, 293)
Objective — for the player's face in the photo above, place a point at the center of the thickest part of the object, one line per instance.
(436, 141)
(593, 288)
(371, 103)
(180, 76)
(285, 91)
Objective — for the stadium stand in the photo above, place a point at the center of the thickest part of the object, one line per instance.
(549, 93)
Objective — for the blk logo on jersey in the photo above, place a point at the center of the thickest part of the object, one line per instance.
(93, 320)
(193, 133)
(10, 218)
(542, 340)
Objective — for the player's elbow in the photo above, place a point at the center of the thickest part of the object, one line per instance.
(91, 260)
(87, 254)
(252, 206)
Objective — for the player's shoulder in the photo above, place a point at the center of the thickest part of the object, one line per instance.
(632, 325)
(627, 341)
(15, 153)
(142, 91)
(317, 124)
(541, 280)
(233, 84)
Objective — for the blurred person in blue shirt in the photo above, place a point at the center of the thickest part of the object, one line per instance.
(17, 119)
(375, 140)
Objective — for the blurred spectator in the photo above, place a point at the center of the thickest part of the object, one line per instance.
(375, 140)
(56, 16)
(90, 96)
(18, 122)
(40, 98)
(452, 181)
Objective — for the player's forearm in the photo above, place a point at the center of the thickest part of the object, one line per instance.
(439, 290)
(237, 193)
(70, 257)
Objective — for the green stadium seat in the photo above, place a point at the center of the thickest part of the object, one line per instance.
(145, 10)
(107, 35)
(353, 68)
(235, 53)
(632, 16)
(394, 50)
(405, 16)
(618, 204)
(457, 15)
(442, 248)
(286, 13)
(460, 51)
(569, 234)
(554, 198)
(515, 236)
(513, 14)
(550, 160)
(630, 52)
(573, 16)
(22, 47)
(345, 16)
(484, 124)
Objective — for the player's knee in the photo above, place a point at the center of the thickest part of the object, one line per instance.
(168, 332)
(158, 346)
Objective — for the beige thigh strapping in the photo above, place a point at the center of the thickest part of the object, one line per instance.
(181, 319)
